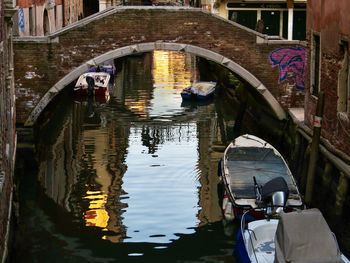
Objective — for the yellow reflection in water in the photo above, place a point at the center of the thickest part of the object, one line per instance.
(96, 215)
(172, 70)
(95, 147)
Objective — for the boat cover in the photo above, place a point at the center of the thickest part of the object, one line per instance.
(202, 88)
(243, 163)
(304, 236)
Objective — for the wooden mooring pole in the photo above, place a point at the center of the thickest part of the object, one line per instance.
(314, 148)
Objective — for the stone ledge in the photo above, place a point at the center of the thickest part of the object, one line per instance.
(297, 114)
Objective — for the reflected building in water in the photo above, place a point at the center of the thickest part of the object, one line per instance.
(83, 163)
(84, 168)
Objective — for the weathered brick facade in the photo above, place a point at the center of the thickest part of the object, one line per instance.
(7, 122)
(330, 21)
(39, 65)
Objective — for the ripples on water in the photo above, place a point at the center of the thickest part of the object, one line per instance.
(131, 179)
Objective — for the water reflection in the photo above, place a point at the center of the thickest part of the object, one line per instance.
(132, 169)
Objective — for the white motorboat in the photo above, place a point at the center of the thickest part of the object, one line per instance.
(299, 236)
(93, 83)
(249, 157)
(199, 91)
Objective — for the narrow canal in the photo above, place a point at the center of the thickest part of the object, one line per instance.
(133, 177)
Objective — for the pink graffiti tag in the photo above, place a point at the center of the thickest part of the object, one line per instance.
(290, 60)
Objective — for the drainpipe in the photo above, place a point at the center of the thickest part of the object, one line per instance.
(290, 4)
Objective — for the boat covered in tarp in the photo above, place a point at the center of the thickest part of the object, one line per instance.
(304, 236)
(199, 91)
(246, 158)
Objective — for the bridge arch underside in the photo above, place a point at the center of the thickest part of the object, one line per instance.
(148, 47)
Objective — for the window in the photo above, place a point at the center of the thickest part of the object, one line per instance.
(46, 23)
(315, 66)
(271, 22)
(243, 17)
(343, 79)
(31, 21)
(299, 25)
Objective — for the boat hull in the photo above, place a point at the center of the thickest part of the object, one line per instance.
(97, 91)
(240, 252)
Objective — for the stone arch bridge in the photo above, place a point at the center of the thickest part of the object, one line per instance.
(45, 65)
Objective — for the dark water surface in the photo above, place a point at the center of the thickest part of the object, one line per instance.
(130, 178)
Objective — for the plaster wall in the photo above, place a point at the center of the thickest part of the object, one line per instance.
(39, 12)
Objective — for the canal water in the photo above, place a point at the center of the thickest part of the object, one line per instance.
(131, 177)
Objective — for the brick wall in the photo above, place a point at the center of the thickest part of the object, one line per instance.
(38, 66)
(328, 19)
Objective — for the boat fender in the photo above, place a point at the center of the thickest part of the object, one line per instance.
(227, 209)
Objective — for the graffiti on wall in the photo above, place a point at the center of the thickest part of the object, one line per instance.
(291, 64)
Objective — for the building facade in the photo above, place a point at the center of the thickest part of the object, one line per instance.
(42, 17)
(7, 121)
(279, 18)
(328, 35)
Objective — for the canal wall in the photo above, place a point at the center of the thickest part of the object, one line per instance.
(7, 123)
(332, 174)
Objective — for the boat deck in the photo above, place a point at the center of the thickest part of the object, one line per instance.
(243, 163)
